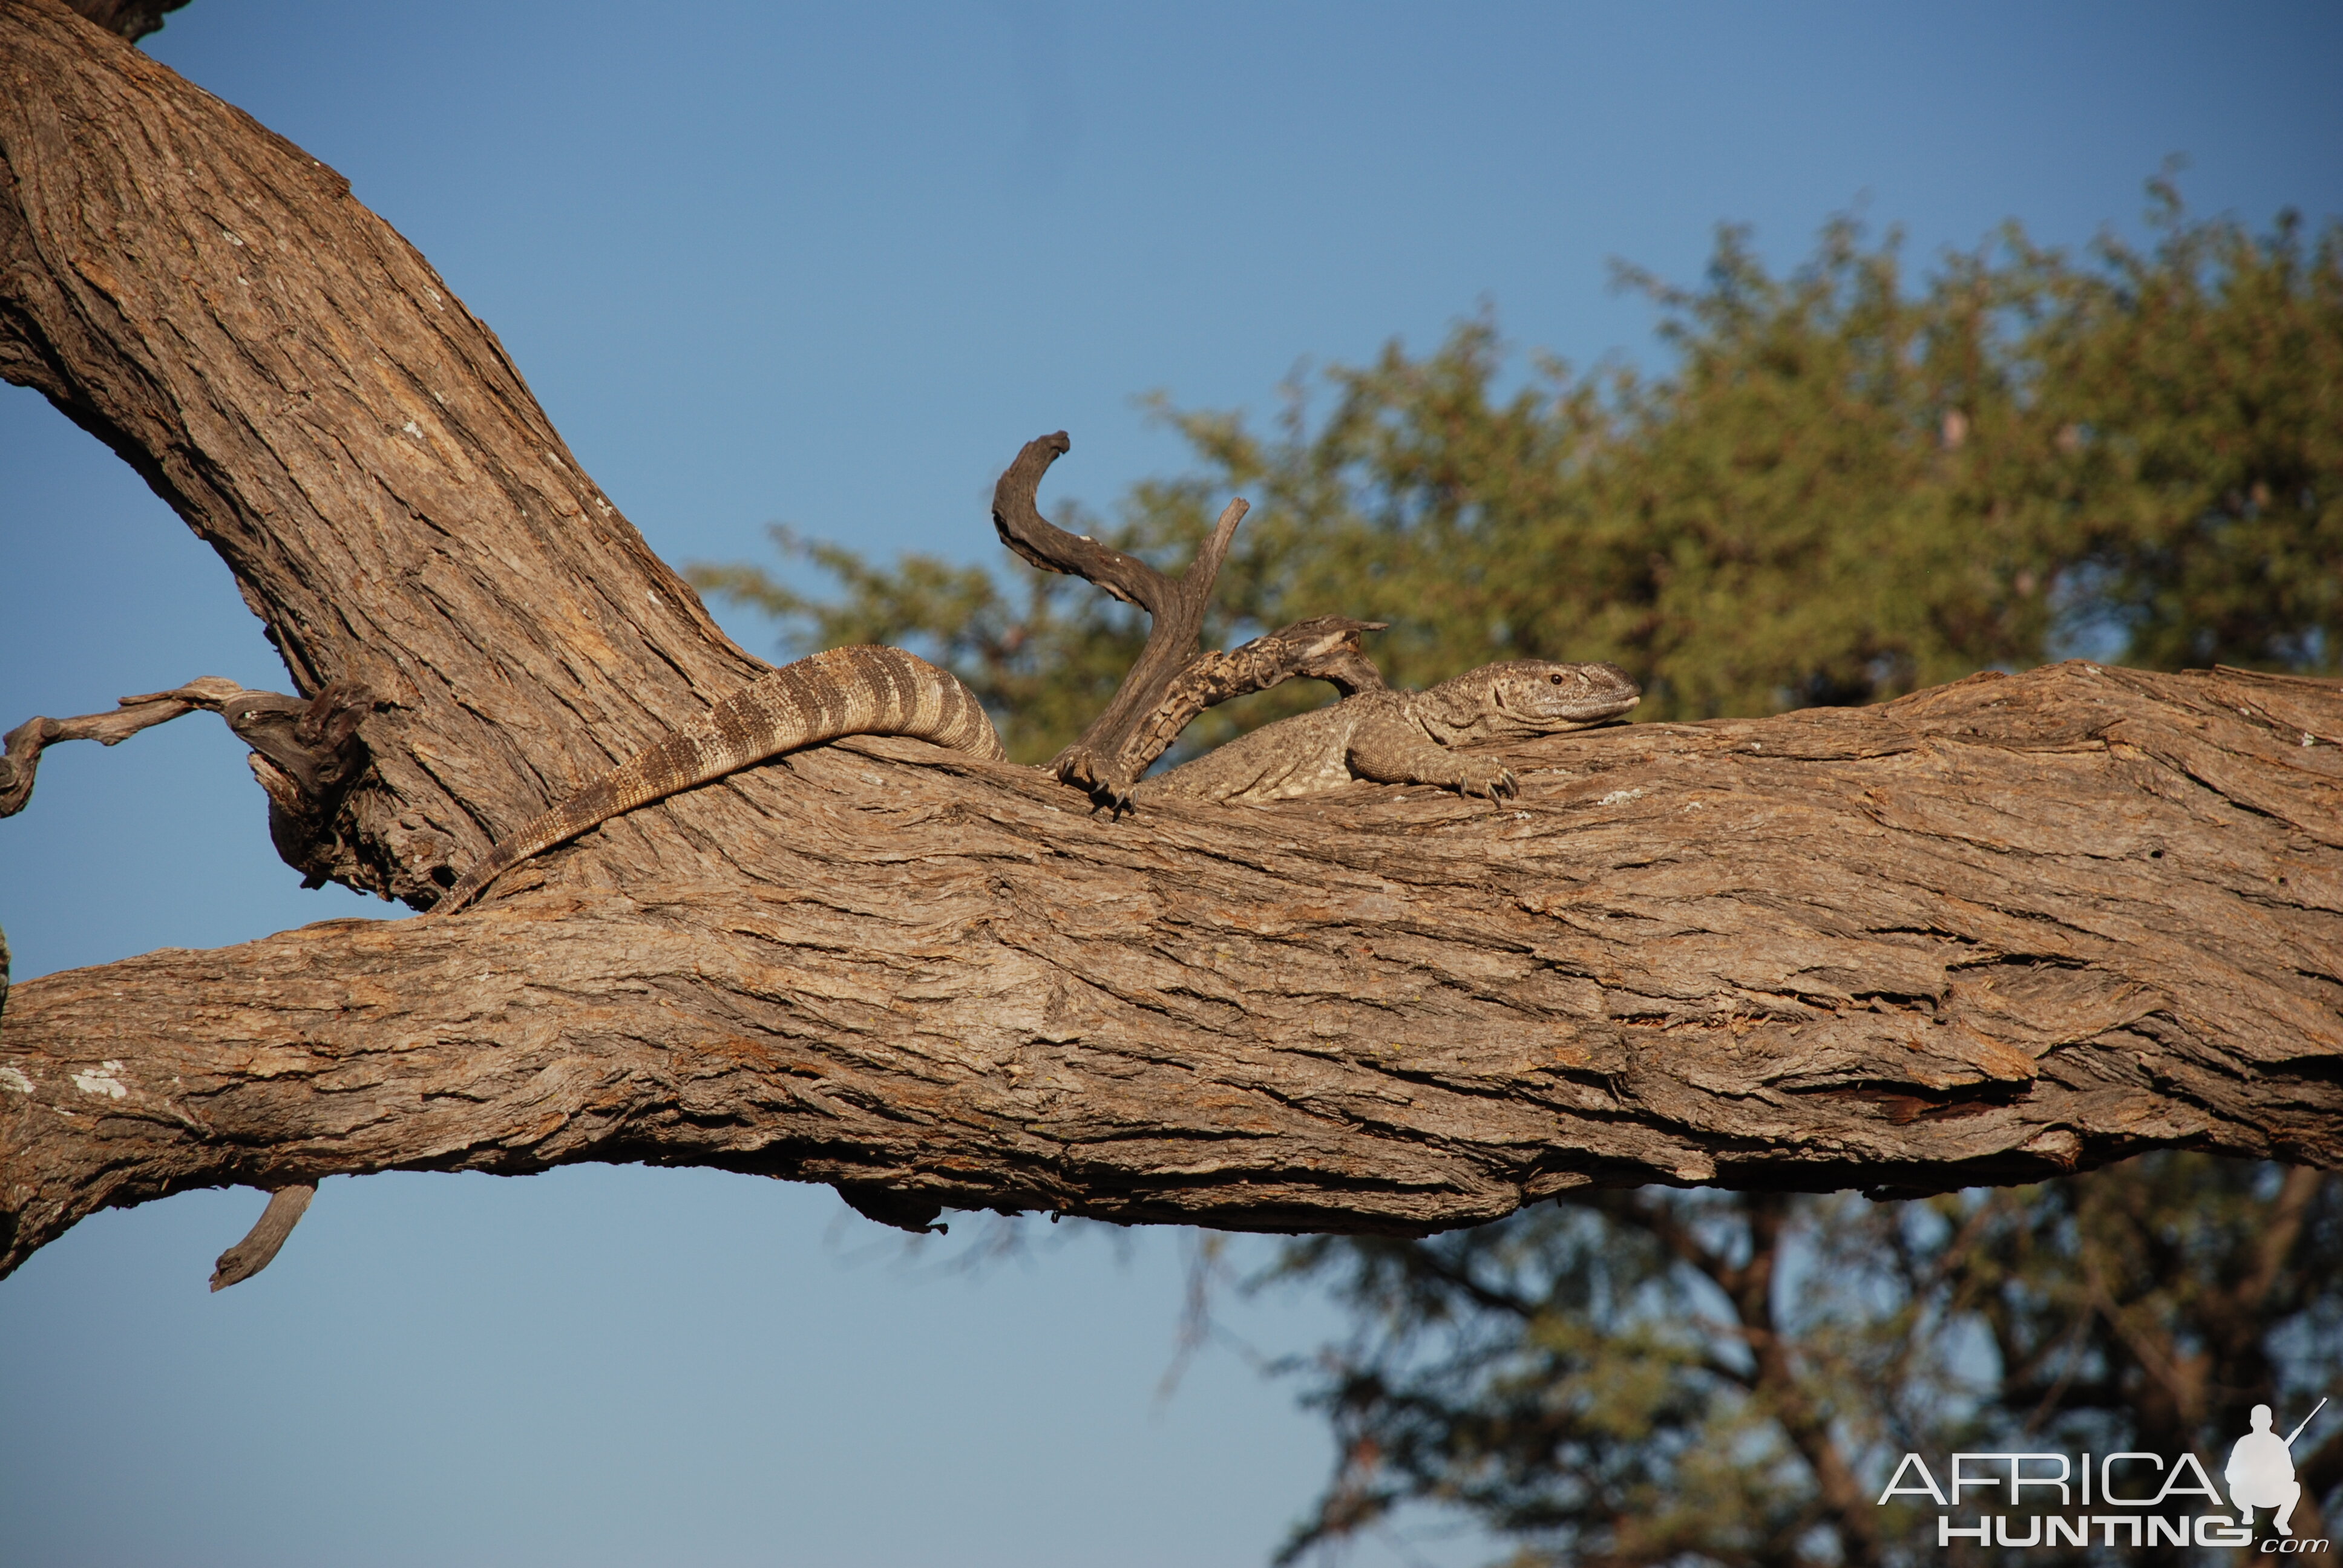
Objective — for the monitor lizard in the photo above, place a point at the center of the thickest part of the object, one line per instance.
(1404, 737)
(1388, 736)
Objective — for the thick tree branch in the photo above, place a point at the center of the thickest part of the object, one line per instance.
(1993, 931)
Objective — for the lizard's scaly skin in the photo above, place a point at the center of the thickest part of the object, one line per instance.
(1403, 738)
(845, 692)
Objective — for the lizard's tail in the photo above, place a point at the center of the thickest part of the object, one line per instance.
(846, 691)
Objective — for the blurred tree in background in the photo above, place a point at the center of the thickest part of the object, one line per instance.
(1658, 1377)
(1848, 483)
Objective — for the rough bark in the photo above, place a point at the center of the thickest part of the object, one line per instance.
(1996, 930)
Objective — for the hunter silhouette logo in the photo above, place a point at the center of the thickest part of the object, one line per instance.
(2129, 1499)
(2260, 1472)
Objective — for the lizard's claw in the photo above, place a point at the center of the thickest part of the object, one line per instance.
(1500, 785)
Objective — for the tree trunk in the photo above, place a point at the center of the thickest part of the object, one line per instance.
(1993, 931)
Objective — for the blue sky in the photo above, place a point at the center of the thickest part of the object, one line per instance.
(831, 267)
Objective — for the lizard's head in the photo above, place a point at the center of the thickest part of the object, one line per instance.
(1526, 696)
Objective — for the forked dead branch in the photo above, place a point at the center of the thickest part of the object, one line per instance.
(1170, 681)
(1994, 931)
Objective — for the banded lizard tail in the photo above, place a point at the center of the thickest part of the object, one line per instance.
(1403, 738)
(845, 692)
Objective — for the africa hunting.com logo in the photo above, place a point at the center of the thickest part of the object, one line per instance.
(2148, 1496)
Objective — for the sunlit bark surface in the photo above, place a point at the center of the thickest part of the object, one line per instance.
(1993, 931)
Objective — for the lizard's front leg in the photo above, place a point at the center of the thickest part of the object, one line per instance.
(1388, 750)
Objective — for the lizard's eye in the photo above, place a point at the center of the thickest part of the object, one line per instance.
(1555, 678)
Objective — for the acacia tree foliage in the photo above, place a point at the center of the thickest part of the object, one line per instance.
(1848, 483)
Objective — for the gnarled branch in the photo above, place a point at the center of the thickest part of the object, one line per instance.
(21, 763)
(261, 1243)
(1170, 682)
(1325, 647)
(1096, 761)
(304, 753)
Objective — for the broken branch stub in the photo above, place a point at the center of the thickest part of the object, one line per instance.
(130, 19)
(266, 1239)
